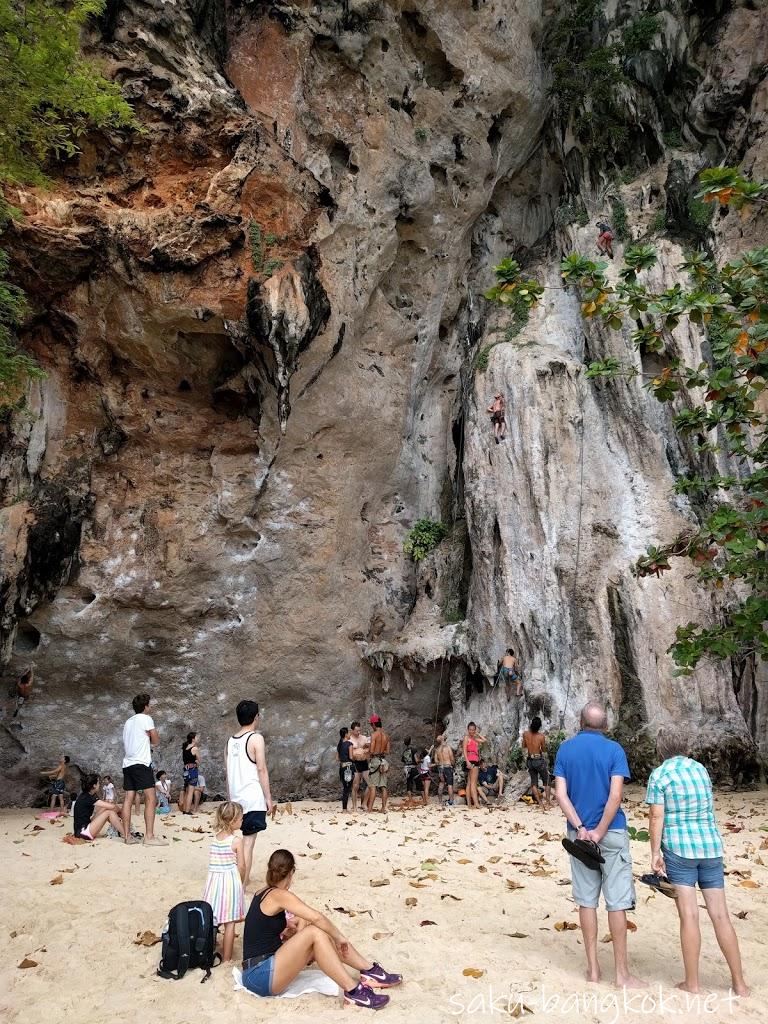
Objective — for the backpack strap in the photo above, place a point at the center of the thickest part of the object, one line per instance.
(182, 931)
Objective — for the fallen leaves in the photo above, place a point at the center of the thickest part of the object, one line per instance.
(382, 935)
(520, 1010)
(512, 884)
(376, 883)
(411, 901)
(473, 972)
(565, 926)
(450, 896)
(423, 924)
(417, 885)
(742, 915)
(26, 962)
(147, 939)
(747, 883)
(57, 880)
(516, 935)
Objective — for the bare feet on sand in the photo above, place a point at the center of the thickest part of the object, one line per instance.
(129, 840)
(155, 841)
(740, 990)
(630, 981)
(593, 976)
(685, 987)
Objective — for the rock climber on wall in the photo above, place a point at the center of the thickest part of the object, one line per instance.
(605, 239)
(23, 689)
(498, 420)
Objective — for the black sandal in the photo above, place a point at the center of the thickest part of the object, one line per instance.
(585, 851)
(661, 884)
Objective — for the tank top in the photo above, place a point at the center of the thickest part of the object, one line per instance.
(261, 935)
(186, 755)
(472, 754)
(244, 786)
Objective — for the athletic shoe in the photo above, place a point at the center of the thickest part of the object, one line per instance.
(362, 995)
(377, 977)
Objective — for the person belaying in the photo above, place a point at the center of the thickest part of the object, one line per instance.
(498, 420)
(605, 239)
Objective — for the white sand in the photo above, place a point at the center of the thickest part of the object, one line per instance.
(89, 971)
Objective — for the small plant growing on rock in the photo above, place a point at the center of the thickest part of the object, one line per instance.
(424, 537)
(639, 34)
(620, 221)
(272, 266)
(421, 135)
(257, 250)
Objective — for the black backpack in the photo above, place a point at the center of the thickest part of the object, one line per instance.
(189, 941)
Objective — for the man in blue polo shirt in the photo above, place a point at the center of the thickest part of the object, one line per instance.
(590, 771)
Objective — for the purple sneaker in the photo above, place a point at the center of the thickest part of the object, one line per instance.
(377, 977)
(362, 995)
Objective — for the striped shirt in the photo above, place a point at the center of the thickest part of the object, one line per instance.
(683, 787)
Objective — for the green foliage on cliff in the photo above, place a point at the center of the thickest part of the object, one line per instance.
(728, 305)
(424, 537)
(50, 95)
(639, 34)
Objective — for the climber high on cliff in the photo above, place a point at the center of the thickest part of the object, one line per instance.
(605, 239)
(496, 409)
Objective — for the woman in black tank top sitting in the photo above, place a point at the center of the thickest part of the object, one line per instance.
(270, 964)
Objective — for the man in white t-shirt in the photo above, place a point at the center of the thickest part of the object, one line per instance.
(139, 734)
(248, 778)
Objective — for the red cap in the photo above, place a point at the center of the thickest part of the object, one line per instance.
(374, 719)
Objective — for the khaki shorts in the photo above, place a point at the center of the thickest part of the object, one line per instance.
(376, 777)
(614, 879)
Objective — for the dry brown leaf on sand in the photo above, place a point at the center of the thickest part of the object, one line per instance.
(417, 885)
(57, 880)
(482, 869)
(411, 901)
(464, 860)
(512, 884)
(315, 856)
(565, 926)
(749, 884)
(383, 935)
(520, 1010)
(26, 962)
(423, 924)
(376, 883)
(450, 896)
(146, 939)
(494, 860)
(631, 926)
(516, 935)
(742, 915)
(473, 972)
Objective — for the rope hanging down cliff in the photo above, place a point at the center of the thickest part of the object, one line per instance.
(578, 555)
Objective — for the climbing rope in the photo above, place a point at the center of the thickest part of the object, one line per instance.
(437, 705)
(578, 556)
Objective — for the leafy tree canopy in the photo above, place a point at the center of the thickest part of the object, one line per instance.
(50, 95)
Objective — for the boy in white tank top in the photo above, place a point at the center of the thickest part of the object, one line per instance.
(248, 778)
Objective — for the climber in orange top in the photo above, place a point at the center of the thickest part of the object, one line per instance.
(496, 409)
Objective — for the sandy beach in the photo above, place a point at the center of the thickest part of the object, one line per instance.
(447, 907)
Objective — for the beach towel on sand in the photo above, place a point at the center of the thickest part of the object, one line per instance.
(307, 981)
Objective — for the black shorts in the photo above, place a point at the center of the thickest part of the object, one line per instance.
(445, 771)
(137, 778)
(538, 769)
(361, 766)
(253, 822)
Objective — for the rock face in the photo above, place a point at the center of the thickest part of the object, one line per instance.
(259, 321)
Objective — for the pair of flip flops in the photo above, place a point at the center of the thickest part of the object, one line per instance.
(585, 851)
(661, 884)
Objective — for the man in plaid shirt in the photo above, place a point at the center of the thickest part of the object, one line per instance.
(686, 846)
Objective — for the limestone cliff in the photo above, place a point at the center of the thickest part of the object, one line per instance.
(260, 320)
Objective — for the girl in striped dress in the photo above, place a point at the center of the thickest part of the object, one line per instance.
(226, 870)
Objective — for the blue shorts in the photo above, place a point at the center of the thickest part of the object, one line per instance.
(253, 822)
(258, 979)
(707, 871)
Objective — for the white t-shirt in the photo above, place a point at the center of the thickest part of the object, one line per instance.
(425, 763)
(163, 786)
(136, 741)
(109, 792)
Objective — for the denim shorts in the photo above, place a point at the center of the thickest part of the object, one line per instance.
(707, 871)
(258, 979)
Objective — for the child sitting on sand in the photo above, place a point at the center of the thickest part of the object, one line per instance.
(108, 790)
(163, 791)
(425, 762)
(226, 873)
